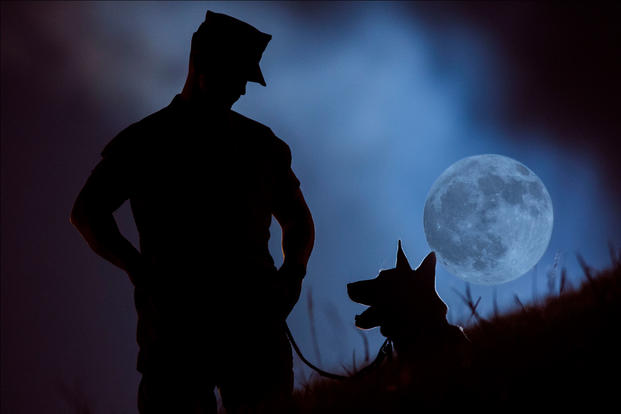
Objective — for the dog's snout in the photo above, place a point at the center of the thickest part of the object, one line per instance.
(352, 291)
(362, 292)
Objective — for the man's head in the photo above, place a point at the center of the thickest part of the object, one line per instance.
(225, 54)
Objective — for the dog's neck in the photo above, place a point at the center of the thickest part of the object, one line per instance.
(427, 336)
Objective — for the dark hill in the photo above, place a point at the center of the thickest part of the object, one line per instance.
(560, 354)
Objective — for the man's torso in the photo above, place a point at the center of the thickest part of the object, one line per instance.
(202, 190)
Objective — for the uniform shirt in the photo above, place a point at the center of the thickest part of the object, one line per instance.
(202, 186)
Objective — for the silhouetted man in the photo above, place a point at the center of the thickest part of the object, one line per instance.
(203, 182)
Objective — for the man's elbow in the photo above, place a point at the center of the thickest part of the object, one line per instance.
(310, 226)
(79, 216)
(305, 227)
(297, 219)
(76, 218)
(302, 220)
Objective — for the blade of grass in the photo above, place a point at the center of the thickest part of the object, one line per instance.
(311, 316)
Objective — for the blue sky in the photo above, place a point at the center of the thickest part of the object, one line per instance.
(374, 101)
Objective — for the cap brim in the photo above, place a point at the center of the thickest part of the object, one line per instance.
(256, 75)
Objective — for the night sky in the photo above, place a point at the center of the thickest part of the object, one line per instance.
(375, 101)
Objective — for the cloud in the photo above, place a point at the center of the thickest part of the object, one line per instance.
(375, 101)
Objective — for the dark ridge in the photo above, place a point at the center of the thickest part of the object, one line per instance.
(556, 353)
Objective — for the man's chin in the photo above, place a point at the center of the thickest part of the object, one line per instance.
(225, 102)
(209, 101)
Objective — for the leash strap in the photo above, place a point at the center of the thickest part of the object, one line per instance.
(384, 351)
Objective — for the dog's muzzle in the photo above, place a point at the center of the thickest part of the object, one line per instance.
(362, 292)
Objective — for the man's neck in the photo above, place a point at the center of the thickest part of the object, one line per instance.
(202, 103)
(193, 95)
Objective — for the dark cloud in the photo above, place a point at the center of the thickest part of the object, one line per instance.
(561, 64)
(53, 329)
(375, 101)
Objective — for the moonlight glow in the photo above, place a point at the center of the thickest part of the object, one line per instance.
(488, 218)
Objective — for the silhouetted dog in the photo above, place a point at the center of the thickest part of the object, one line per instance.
(405, 305)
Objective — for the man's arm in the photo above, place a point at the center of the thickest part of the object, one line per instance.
(298, 233)
(298, 237)
(92, 215)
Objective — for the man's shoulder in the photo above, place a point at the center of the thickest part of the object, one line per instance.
(259, 132)
(132, 138)
(251, 125)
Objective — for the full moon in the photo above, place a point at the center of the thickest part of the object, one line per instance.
(488, 218)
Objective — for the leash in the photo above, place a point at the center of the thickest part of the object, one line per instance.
(384, 351)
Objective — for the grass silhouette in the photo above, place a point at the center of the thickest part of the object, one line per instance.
(560, 352)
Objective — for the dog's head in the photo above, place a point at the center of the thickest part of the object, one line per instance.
(400, 299)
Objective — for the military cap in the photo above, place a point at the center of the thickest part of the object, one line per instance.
(231, 41)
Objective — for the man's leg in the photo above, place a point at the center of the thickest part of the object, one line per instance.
(175, 392)
(260, 380)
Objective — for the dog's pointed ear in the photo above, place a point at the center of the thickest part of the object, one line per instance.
(402, 261)
(427, 268)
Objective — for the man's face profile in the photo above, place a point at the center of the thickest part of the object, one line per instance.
(222, 87)
(221, 84)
